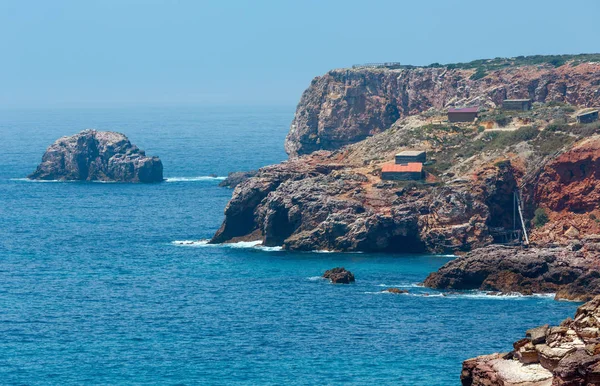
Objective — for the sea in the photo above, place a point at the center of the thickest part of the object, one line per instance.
(112, 283)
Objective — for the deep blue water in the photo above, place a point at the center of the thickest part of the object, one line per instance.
(93, 290)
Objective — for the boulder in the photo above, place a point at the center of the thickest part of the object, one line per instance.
(393, 290)
(97, 156)
(339, 275)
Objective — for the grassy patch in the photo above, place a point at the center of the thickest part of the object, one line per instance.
(540, 218)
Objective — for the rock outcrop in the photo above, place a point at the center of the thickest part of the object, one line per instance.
(348, 105)
(318, 204)
(564, 355)
(97, 156)
(336, 200)
(339, 275)
(570, 274)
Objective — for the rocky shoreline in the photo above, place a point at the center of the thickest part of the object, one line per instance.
(564, 355)
(571, 274)
(330, 196)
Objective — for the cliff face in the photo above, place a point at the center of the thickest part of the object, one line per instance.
(347, 105)
(564, 355)
(97, 155)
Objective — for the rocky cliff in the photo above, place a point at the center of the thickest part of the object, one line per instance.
(97, 156)
(564, 355)
(348, 105)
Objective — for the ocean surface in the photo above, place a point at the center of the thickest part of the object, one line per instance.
(97, 288)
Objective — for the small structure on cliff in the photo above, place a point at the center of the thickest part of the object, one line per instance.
(409, 171)
(516, 104)
(408, 166)
(587, 116)
(407, 156)
(465, 114)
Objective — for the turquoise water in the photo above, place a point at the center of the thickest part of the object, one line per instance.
(93, 289)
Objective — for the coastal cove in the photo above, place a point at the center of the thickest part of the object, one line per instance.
(94, 289)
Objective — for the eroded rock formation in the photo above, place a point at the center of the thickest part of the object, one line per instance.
(570, 274)
(339, 275)
(97, 156)
(563, 355)
(347, 105)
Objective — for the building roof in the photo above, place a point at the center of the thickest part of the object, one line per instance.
(410, 153)
(403, 168)
(464, 110)
(587, 113)
(517, 100)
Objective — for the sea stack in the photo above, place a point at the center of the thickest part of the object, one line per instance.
(97, 156)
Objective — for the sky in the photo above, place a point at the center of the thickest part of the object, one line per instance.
(110, 53)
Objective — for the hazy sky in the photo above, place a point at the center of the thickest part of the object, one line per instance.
(57, 53)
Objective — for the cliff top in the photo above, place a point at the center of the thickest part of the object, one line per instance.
(495, 63)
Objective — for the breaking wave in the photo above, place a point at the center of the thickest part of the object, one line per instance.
(257, 244)
(43, 181)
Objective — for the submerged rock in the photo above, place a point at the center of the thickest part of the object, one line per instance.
(339, 275)
(97, 156)
(235, 178)
(568, 354)
(394, 290)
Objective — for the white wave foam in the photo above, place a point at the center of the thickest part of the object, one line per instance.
(405, 285)
(256, 244)
(269, 249)
(194, 179)
(191, 243)
(316, 278)
(502, 296)
(43, 181)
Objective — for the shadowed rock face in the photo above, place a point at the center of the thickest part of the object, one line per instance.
(347, 105)
(97, 156)
(563, 355)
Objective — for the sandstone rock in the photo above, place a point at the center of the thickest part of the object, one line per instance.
(339, 275)
(572, 232)
(569, 355)
(495, 369)
(537, 335)
(97, 156)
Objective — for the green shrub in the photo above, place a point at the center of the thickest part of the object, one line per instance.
(479, 73)
(502, 120)
(548, 143)
(540, 218)
(525, 133)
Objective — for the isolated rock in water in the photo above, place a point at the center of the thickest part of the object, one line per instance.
(235, 178)
(97, 156)
(394, 290)
(339, 275)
